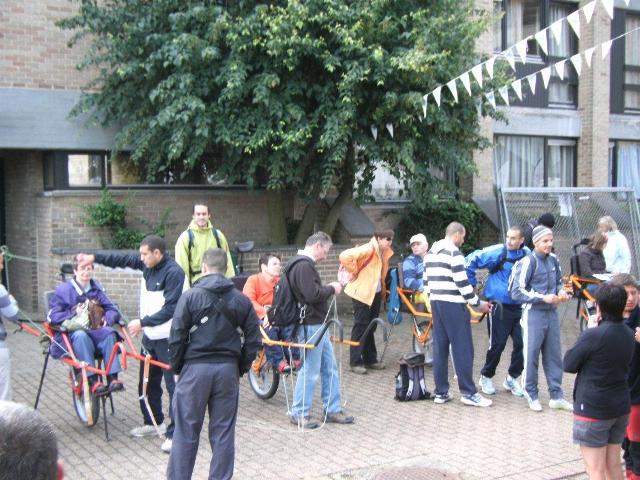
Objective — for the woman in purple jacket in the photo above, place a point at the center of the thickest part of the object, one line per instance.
(67, 310)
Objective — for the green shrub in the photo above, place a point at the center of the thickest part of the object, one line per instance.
(111, 215)
(432, 218)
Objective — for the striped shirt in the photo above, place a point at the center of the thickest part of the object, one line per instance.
(446, 276)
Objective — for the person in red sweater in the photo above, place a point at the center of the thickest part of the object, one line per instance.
(259, 289)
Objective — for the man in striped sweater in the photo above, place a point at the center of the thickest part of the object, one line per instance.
(450, 292)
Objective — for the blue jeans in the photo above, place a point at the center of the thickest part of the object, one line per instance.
(319, 362)
(275, 353)
(85, 348)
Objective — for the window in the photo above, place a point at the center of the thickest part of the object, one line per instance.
(524, 18)
(625, 171)
(632, 64)
(534, 161)
(562, 92)
(68, 170)
(625, 64)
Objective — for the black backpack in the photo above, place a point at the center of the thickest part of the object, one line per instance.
(286, 309)
(410, 384)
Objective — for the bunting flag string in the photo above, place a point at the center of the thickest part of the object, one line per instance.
(518, 52)
(517, 87)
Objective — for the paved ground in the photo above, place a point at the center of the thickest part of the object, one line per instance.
(389, 440)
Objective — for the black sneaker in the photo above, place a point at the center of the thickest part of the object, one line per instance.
(339, 417)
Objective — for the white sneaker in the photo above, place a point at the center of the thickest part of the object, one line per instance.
(447, 397)
(476, 400)
(533, 404)
(166, 445)
(560, 404)
(486, 384)
(513, 385)
(148, 430)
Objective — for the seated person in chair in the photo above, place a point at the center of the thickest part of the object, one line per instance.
(591, 259)
(81, 307)
(259, 289)
(413, 270)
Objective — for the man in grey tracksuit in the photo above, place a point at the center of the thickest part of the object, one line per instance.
(536, 281)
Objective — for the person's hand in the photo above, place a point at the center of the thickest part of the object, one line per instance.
(337, 287)
(636, 335)
(80, 308)
(484, 307)
(134, 327)
(563, 296)
(550, 298)
(85, 259)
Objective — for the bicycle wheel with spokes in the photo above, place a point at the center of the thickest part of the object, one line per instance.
(77, 393)
(263, 378)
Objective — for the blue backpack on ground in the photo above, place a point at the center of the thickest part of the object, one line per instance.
(410, 384)
(394, 316)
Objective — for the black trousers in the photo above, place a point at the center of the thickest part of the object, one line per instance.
(366, 353)
(159, 350)
(504, 323)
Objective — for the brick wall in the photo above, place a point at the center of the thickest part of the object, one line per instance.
(34, 52)
(593, 105)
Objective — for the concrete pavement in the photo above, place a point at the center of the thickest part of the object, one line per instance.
(390, 440)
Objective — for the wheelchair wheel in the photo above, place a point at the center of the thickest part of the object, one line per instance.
(263, 378)
(426, 347)
(582, 314)
(77, 394)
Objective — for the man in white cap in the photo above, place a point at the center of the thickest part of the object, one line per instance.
(413, 269)
(536, 282)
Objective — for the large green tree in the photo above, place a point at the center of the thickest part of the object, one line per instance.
(290, 92)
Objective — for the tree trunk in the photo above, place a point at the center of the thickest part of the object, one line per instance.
(345, 194)
(309, 217)
(277, 222)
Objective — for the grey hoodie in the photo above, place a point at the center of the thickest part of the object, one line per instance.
(533, 277)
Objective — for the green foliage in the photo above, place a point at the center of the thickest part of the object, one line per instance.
(289, 88)
(432, 218)
(112, 215)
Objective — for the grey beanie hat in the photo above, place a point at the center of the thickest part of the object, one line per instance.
(539, 232)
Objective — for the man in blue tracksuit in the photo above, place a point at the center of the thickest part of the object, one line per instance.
(536, 281)
(504, 320)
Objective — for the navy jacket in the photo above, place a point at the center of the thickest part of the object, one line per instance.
(601, 358)
(166, 277)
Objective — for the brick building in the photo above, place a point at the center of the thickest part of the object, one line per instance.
(580, 132)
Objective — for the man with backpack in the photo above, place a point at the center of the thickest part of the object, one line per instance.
(320, 362)
(536, 281)
(504, 319)
(197, 239)
(208, 357)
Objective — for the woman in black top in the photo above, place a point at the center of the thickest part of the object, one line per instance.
(591, 259)
(601, 358)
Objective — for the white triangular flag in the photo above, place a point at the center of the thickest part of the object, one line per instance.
(436, 95)
(492, 99)
(608, 6)
(521, 48)
(425, 101)
(479, 108)
(510, 58)
(560, 68)
(390, 129)
(517, 87)
(576, 61)
(546, 75)
(532, 82)
(454, 90)
(574, 21)
(541, 38)
(556, 30)
(588, 55)
(606, 46)
(464, 78)
(374, 132)
(504, 93)
(489, 66)
(626, 2)
(477, 74)
(588, 10)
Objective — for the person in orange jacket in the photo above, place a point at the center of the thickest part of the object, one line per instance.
(367, 267)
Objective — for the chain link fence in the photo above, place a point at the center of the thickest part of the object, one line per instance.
(577, 211)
